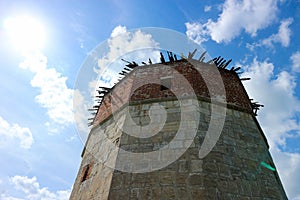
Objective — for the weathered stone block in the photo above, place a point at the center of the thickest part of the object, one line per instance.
(181, 179)
(196, 166)
(196, 179)
(167, 178)
(168, 192)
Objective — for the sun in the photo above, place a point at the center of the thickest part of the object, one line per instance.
(26, 33)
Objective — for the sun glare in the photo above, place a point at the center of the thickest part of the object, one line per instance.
(26, 33)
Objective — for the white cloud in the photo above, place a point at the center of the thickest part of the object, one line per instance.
(242, 15)
(196, 32)
(288, 165)
(207, 8)
(284, 32)
(81, 114)
(15, 131)
(131, 45)
(118, 30)
(32, 190)
(282, 37)
(277, 93)
(295, 58)
(123, 42)
(238, 16)
(54, 95)
(6, 197)
(278, 118)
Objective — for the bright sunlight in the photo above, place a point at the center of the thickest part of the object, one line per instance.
(27, 34)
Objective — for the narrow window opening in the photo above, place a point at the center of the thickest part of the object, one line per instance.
(85, 173)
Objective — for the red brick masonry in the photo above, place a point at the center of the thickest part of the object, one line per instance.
(143, 83)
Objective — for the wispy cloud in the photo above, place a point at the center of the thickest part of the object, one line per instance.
(283, 36)
(82, 32)
(15, 131)
(207, 8)
(295, 58)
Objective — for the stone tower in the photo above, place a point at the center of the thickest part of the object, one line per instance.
(168, 131)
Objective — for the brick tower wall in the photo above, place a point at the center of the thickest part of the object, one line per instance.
(232, 170)
(235, 93)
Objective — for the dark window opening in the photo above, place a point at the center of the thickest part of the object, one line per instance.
(117, 141)
(86, 170)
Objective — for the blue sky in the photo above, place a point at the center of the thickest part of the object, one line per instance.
(39, 144)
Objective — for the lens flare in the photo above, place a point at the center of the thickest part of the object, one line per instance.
(26, 33)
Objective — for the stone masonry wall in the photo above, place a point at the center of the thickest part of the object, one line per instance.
(231, 170)
(115, 150)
